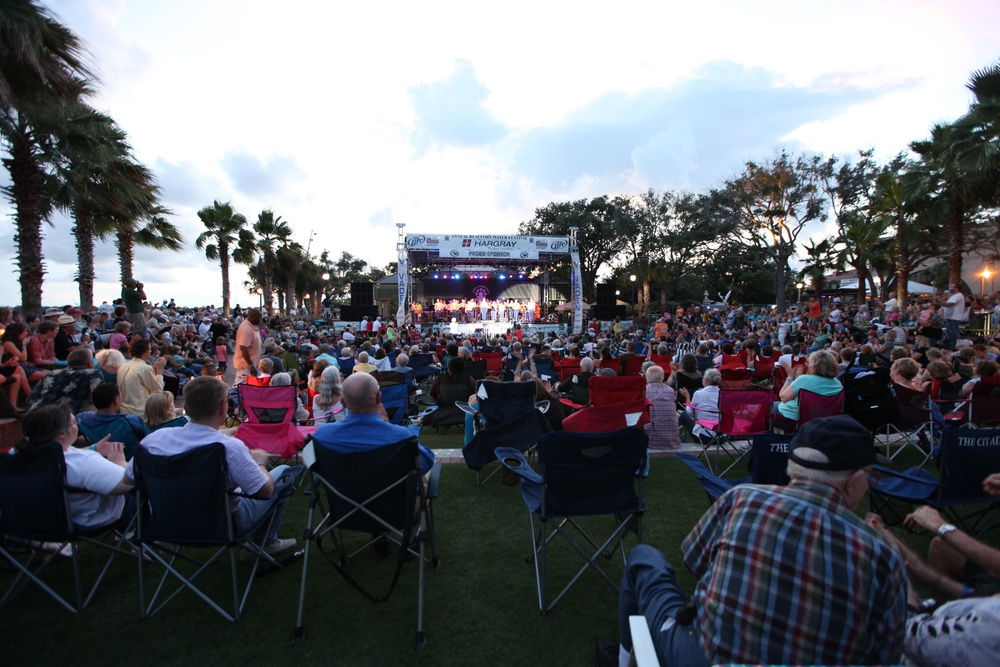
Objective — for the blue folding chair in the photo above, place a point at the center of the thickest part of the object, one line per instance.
(381, 494)
(184, 501)
(119, 429)
(768, 465)
(965, 458)
(35, 509)
(581, 475)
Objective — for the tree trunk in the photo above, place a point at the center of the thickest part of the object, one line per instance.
(224, 265)
(862, 283)
(292, 296)
(126, 248)
(645, 298)
(84, 232)
(268, 272)
(27, 191)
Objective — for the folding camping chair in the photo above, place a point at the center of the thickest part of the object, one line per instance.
(736, 378)
(811, 406)
(768, 465)
(742, 414)
(633, 366)
(380, 493)
(424, 370)
(395, 395)
(184, 501)
(615, 402)
(581, 475)
(568, 367)
(34, 509)
(966, 458)
(915, 424)
(119, 429)
(980, 408)
(506, 414)
(270, 422)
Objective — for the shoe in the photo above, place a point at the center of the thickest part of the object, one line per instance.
(273, 549)
(606, 653)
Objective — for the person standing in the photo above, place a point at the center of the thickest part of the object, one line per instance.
(248, 346)
(133, 294)
(954, 314)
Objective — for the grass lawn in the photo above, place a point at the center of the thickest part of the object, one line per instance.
(481, 606)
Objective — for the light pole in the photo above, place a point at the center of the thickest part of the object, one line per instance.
(632, 280)
(799, 301)
(982, 281)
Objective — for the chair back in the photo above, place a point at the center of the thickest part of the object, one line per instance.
(258, 381)
(384, 480)
(592, 473)
(733, 360)
(608, 390)
(763, 369)
(268, 405)
(613, 364)
(869, 400)
(633, 365)
(493, 361)
(120, 431)
(769, 459)
(183, 498)
(544, 367)
(477, 369)
(713, 485)
(813, 405)
(176, 422)
(735, 379)
(32, 503)
(609, 417)
(661, 360)
(984, 402)
(968, 456)
(568, 367)
(913, 406)
(778, 381)
(502, 402)
(743, 412)
(396, 400)
(384, 378)
(346, 366)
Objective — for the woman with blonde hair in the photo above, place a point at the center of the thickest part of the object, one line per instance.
(159, 409)
(820, 377)
(326, 405)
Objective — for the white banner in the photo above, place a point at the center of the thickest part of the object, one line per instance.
(488, 246)
(403, 276)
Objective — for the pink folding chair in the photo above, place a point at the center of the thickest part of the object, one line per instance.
(270, 423)
(742, 415)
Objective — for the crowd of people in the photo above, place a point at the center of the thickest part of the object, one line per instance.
(133, 359)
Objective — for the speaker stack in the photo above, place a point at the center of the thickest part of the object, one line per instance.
(605, 308)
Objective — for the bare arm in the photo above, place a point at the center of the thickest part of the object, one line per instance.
(985, 556)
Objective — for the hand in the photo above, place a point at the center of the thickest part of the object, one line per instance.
(112, 451)
(925, 517)
(991, 484)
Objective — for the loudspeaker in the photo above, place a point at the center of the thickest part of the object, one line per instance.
(354, 313)
(605, 313)
(606, 294)
(362, 294)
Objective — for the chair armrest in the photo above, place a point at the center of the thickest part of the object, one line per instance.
(513, 460)
(542, 406)
(643, 651)
(466, 408)
(434, 480)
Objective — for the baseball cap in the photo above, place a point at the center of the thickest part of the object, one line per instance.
(845, 444)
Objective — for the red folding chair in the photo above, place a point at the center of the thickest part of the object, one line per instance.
(613, 364)
(812, 406)
(736, 378)
(569, 367)
(663, 361)
(633, 366)
(763, 370)
(270, 422)
(615, 402)
(742, 414)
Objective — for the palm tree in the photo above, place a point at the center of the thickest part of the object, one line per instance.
(226, 232)
(820, 258)
(41, 65)
(272, 233)
(151, 229)
(983, 122)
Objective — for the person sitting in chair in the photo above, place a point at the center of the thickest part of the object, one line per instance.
(206, 401)
(366, 425)
(108, 408)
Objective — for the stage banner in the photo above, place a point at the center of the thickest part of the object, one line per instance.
(576, 285)
(403, 278)
(488, 246)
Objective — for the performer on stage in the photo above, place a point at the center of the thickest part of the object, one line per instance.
(418, 311)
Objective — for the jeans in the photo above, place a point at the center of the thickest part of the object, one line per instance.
(954, 334)
(649, 587)
(251, 510)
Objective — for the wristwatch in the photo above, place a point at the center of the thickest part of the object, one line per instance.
(945, 529)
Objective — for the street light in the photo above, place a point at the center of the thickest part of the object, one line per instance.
(632, 279)
(800, 286)
(982, 281)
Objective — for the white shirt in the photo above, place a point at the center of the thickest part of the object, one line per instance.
(954, 308)
(86, 469)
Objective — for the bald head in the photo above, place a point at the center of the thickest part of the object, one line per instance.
(360, 393)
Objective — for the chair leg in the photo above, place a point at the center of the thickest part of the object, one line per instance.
(300, 630)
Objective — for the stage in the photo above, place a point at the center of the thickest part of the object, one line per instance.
(491, 329)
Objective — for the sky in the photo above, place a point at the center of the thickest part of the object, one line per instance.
(348, 118)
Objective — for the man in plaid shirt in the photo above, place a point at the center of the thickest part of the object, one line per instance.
(786, 574)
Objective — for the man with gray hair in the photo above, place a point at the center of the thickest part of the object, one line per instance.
(786, 575)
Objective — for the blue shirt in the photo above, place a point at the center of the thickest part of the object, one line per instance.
(362, 432)
(97, 420)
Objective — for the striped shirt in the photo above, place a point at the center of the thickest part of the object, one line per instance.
(791, 575)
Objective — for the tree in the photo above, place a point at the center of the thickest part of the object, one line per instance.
(772, 203)
(272, 233)
(41, 66)
(821, 257)
(600, 236)
(226, 237)
(148, 228)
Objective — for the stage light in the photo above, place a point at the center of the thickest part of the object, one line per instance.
(503, 277)
(435, 276)
(455, 276)
(520, 276)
